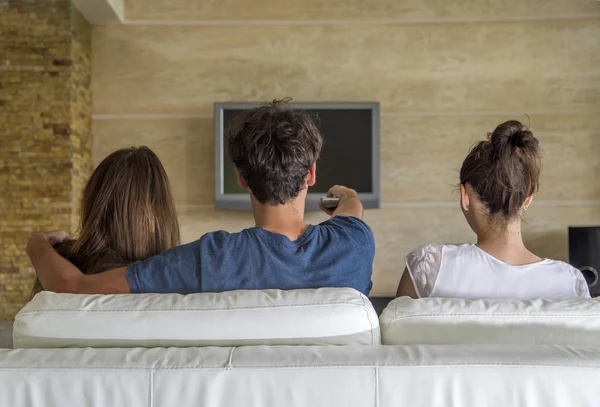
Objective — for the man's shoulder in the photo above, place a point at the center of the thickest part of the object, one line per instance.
(349, 228)
(222, 237)
(345, 222)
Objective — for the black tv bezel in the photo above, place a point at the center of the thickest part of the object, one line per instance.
(241, 202)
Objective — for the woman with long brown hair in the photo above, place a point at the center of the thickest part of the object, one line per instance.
(127, 214)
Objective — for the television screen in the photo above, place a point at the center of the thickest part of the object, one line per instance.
(350, 154)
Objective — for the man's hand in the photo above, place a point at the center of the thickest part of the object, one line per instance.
(349, 205)
(59, 275)
(53, 238)
(54, 272)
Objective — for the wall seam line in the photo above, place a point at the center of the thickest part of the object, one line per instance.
(372, 21)
(482, 113)
(441, 204)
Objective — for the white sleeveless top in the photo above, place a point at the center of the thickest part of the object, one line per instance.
(466, 271)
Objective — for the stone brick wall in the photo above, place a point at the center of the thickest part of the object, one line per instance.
(81, 136)
(45, 135)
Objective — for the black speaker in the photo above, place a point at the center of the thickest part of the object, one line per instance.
(584, 253)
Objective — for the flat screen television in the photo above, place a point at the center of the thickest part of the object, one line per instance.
(350, 154)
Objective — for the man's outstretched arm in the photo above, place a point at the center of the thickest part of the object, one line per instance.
(349, 204)
(59, 275)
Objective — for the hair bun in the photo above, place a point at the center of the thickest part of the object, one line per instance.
(511, 135)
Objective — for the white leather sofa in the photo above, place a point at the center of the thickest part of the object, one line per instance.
(321, 347)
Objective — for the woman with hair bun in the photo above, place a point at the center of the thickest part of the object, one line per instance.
(497, 181)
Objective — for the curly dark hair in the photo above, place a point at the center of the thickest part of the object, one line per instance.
(273, 146)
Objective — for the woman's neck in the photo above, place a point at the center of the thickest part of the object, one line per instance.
(506, 244)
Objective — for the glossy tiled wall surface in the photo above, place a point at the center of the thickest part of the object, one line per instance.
(410, 68)
(445, 72)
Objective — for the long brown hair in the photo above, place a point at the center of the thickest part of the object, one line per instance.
(504, 170)
(127, 213)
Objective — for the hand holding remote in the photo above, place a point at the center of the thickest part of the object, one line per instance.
(330, 202)
(348, 202)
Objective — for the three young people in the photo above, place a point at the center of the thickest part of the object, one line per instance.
(129, 240)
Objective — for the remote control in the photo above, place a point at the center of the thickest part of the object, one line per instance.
(330, 202)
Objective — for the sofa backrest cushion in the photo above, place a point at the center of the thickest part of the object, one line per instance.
(324, 316)
(441, 321)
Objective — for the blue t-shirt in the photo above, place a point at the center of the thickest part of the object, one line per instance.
(335, 253)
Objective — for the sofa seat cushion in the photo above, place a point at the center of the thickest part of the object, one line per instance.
(303, 376)
(458, 321)
(325, 316)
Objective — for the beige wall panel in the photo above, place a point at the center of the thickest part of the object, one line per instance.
(571, 157)
(421, 156)
(546, 228)
(518, 66)
(350, 9)
(185, 148)
(399, 230)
